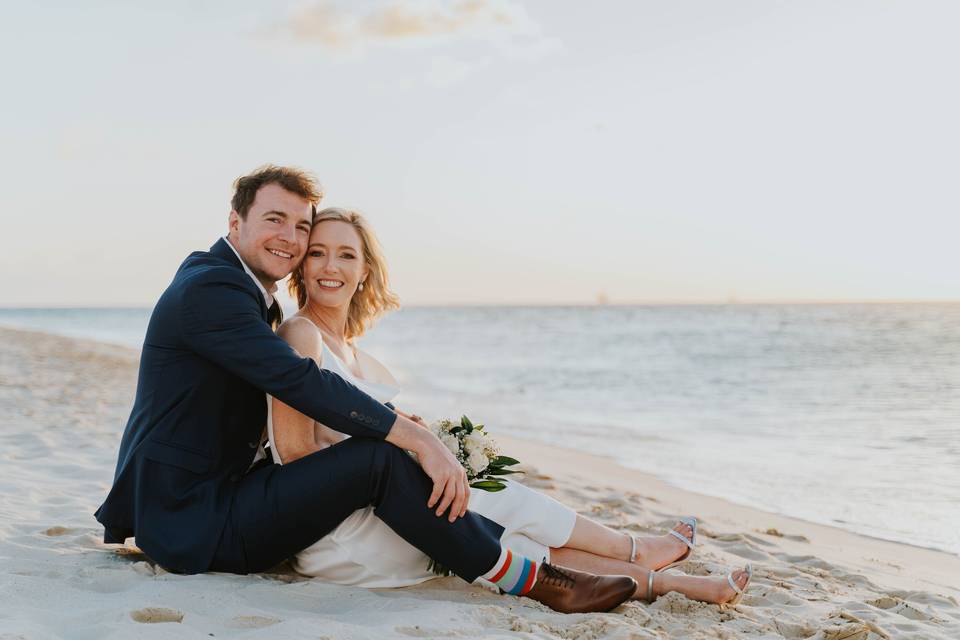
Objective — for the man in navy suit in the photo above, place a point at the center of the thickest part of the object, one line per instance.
(185, 484)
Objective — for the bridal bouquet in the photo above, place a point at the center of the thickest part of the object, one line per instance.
(476, 451)
(480, 457)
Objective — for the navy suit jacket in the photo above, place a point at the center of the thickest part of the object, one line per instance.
(209, 357)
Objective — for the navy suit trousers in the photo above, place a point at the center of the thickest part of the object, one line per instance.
(280, 510)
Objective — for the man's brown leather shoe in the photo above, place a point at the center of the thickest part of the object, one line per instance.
(569, 591)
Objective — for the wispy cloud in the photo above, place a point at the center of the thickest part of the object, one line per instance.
(409, 21)
(344, 27)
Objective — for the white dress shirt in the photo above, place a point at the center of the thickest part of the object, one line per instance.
(267, 295)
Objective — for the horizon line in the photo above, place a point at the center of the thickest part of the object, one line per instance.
(624, 303)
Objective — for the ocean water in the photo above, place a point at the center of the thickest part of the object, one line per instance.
(847, 415)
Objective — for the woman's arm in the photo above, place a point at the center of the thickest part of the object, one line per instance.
(220, 317)
(293, 432)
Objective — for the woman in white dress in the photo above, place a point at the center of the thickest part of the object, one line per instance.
(341, 287)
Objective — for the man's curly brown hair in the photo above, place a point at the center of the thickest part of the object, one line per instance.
(292, 179)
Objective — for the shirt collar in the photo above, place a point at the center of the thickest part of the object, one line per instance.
(267, 295)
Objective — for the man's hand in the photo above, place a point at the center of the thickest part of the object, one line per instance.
(450, 486)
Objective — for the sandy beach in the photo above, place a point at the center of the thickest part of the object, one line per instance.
(65, 402)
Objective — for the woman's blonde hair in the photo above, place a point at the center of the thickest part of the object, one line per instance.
(376, 297)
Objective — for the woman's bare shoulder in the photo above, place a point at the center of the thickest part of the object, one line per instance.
(374, 370)
(303, 336)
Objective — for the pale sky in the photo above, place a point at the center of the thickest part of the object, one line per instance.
(506, 152)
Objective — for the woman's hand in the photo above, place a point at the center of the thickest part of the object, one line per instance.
(414, 417)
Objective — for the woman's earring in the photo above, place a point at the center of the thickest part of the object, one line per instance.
(361, 285)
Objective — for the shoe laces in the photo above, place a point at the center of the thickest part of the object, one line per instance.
(556, 575)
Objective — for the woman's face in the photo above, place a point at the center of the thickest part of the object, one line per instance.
(334, 264)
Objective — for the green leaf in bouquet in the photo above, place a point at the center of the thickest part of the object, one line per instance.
(499, 471)
(466, 424)
(504, 461)
(489, 485)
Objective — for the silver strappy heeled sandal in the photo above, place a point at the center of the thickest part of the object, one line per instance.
(737, 598)
(650, 597)
(688, 520)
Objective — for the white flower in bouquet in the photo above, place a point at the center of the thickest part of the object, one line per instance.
(477, 461)
(476, 451)
(478, 440)
(450, 441)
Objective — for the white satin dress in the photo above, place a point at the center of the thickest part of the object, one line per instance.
(363, 551)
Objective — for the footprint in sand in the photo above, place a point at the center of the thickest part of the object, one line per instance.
(57, 531)
(745, 550)
(252, 622)
(782, 572)
(416, 631)
(678, 604)
(806, 562)
(925, 597)
(584, 628)
(901, 607)
(754, 539)
(779, 534)
(849, 631)
(776, 596)
(851, 626)
(156, 614)
(792, 627)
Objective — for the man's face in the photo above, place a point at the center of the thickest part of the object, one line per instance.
(273, 238)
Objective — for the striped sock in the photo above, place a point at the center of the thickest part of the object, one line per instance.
(513, 573)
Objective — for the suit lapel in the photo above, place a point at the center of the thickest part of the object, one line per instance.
(223, 251)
